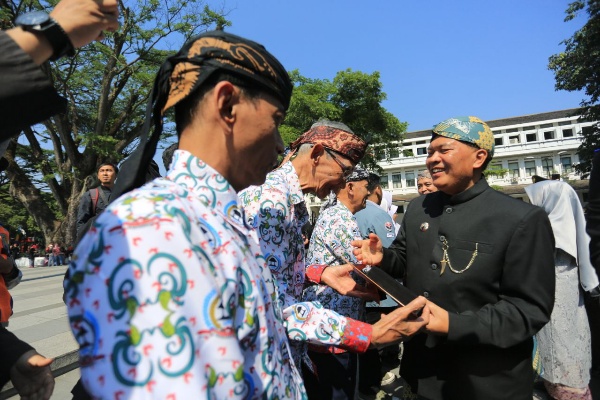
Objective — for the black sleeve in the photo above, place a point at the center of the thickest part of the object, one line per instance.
(11, 348)
(26, 95)
(593, 213)
(84, 212)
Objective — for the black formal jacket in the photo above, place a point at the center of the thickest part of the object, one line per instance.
(495, 307)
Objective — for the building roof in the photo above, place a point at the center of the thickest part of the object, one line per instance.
(523, 119)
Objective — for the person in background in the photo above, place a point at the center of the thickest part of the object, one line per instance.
(376, 365)
(59, 255)
(484, 260)
(94, 201)
(425, 183)
(564, 342)
(50, 255)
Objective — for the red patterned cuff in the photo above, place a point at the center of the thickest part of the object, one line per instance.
(357, 336)
(314, 272)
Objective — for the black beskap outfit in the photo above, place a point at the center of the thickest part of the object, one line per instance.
(495, 306)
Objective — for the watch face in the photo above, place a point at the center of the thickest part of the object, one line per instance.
(32, 18)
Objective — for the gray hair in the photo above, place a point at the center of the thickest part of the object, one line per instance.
(424, 175)
(332, 124)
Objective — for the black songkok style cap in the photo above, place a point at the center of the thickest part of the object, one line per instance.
(182, 74)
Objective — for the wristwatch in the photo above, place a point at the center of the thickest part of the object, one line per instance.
(41, 22)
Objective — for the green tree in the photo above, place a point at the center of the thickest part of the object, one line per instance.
(578, 68)
(354, 98)
(107, 84)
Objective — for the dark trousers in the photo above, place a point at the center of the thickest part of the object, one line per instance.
(336, 376)
(371, 366)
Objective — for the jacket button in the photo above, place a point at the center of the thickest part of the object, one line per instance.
(442, 238)
(449, 210)
(426, 295)
(433, 266)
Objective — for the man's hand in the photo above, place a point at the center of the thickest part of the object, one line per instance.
(31, 376)
(339, 279)
(86, 20)
(401, 323)
(369, 251)
(438, 320)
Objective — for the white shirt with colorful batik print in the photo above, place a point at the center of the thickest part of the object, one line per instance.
(277, 212)
(330, 244)
(169, 297)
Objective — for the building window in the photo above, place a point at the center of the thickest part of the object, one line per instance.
(567, 133)
(380, 153)
(499, 141)
(396, 181)
(563, 123)
(394, 153)
(543, 126)
(548, 135)
(567, 167)
(410, 179)
(421, 151)
(384, 182)
(421, 142)
(531, 137)
(514, 139)
(529, 168)
(511, 130)
(528, 128)
(408, 153)
(547, 166)
(513, 168)
(586, 131)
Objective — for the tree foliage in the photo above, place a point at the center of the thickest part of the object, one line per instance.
(578, 68)
(107, 85)
(354, 98)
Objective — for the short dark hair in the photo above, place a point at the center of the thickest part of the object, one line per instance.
(186, 108)
(373, 181)
(108, 163)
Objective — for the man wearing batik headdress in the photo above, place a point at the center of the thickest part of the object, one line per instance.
(318, 163)
(169, 295)
(330, 244)
(484, 260)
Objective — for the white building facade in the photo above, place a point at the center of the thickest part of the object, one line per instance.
(538, 144)
(542, 144)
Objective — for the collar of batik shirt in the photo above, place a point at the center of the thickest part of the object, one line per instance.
(288, 174)
(208, 185)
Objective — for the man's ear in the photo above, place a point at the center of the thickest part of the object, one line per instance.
(480, 156)
(316, 152)
(227, 98)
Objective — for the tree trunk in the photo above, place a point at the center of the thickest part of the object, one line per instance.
(22, 189)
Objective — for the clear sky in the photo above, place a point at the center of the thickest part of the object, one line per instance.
(437, 59)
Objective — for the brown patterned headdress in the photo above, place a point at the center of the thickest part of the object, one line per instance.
(183, 73)
(333, 136)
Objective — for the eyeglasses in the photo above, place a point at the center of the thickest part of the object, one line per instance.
(346, 170)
